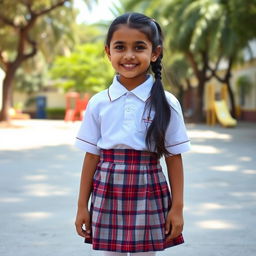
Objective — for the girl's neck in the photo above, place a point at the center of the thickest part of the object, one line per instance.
(132, 83)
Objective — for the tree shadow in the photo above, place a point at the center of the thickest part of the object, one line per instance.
(220, 190)
(38, 196)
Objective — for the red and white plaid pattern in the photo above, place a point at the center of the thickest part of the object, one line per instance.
(130, 202)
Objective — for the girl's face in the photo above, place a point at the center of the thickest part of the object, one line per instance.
(130, 53)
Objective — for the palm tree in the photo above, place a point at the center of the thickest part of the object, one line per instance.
(206, 32)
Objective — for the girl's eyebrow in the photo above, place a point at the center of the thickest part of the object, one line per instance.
(140, 42)
(136, 42)
(119, 42)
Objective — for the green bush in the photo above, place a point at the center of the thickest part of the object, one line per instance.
(55, 113)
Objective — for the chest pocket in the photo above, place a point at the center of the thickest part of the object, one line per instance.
(145, 121)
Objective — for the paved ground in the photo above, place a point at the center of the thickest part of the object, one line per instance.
(40, 172)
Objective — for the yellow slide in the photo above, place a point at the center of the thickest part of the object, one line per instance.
(223, 114)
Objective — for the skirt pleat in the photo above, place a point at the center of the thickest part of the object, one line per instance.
(129, 203)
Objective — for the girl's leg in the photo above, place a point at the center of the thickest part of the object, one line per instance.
(108, 253)
(143, 254)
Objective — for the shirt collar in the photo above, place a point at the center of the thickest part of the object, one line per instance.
(116, 89)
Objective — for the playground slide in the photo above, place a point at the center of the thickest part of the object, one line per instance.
(223, 114)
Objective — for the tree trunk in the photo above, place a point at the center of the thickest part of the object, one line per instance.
(231, 98)
(198, 114)
(7, 89)
(201, 75)
(22, 54)
(226, 80)
(230, 92)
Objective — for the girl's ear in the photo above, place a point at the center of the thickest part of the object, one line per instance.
(156, 53)
(107, 50)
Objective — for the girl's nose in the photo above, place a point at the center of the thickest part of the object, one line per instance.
(129, 55)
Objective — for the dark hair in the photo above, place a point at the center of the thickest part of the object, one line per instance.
(155, 138)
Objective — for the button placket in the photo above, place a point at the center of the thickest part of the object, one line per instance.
(129, 111)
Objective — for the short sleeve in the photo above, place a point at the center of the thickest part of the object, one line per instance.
(176, 138)
(89, 132)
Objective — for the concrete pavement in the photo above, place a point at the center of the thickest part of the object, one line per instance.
(40, 171)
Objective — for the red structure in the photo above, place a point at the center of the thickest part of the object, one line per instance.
(75, 106)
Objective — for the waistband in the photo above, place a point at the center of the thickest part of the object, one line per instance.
(128, 156)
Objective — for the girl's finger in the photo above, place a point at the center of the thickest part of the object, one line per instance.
(79, 229)
(175, 232)
(87, 229)
(167, 226)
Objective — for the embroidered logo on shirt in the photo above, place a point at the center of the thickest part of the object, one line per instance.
(147, 120)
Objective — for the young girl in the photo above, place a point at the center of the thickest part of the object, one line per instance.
(126, 129)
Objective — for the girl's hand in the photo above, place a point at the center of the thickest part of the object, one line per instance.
(174, 223)
(83, 217)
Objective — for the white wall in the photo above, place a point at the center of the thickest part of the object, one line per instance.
(53, 100)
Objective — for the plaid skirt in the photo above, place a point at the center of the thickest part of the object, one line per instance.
(129, 203)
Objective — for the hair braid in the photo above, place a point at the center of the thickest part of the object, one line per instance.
(157, 67)
(158, 102)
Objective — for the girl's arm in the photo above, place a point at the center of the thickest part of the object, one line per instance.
(174, 221)
(83, 215)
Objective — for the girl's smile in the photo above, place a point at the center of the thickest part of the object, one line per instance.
(130, 53)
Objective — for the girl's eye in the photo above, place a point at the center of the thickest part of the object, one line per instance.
(140, 47)
(119, 47)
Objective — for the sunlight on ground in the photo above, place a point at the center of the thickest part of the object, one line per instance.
(245, 159)
(193, 134)
(216, 224)
(201, 149)
(211, 184)
(11, 200)
(225, 168)
(203, 208)
(36, 177)
(244, 194)
(38, 133)
(201, 136)
(42, 190)
(249, 171)
(211, 206)
(35, 215)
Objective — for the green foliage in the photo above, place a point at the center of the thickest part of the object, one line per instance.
(51, 31)
(88, 33)
(222, 28)
(55, 33)
(85, 70)
(177, 69)
(244, 84)
(28, 27)
(31, 76)
(206, 32)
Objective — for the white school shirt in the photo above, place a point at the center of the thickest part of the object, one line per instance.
(115, 119)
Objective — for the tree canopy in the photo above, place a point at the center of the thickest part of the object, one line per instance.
(27, 27)
(85, 70)
(206, 32)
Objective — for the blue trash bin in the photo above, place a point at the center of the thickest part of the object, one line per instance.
(41, 107)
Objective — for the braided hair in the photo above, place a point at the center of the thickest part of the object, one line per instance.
(155, 137)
